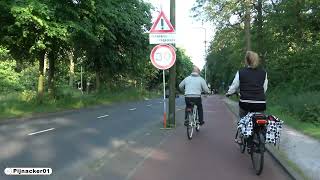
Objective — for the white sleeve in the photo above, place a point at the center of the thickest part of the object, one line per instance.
(235, 84)
(265, 85)
(204, 86)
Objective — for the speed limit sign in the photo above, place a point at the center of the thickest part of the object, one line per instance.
(163, 56)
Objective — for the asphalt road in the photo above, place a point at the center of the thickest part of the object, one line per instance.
(210, 155)
(123, 141)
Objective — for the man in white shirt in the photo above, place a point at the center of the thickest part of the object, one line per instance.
(193, 86)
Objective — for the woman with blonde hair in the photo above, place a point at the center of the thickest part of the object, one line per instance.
(253, 83)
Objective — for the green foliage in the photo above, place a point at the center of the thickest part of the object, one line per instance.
(106, 39)
(28, 77)
(184, 65)
(304, 105)
(225, 57)
(9, 79)
(4, 53)
(289, 45)
(291, 119)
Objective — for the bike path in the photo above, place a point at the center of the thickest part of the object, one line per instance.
(211, 154)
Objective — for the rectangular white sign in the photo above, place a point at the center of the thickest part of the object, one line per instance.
(162, 38)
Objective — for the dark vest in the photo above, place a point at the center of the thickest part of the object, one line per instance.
(251, 84)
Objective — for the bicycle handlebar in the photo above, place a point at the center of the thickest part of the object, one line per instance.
(228, 95)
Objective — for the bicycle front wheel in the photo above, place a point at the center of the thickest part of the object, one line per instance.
(257, 152)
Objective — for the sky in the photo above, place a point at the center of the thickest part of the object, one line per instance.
(190, 34)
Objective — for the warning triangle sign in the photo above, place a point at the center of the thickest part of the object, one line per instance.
(162, 25)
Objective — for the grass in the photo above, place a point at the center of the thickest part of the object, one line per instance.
(294, 108)
(25, 104)
(307, 128)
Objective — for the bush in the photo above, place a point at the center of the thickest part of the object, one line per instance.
(9, 79)
(304, 105)
(29, 77)
(68, 92)
(28, 95)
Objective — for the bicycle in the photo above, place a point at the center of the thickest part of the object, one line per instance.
(193, 118)
(255, 142)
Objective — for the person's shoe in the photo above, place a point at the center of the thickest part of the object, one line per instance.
(186, 123)
(201, 123)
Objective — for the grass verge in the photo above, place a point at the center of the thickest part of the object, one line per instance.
(307, 128)
(292, 109)
(25, 104)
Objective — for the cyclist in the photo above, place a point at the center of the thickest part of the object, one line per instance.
(193, 86)
(253, 84)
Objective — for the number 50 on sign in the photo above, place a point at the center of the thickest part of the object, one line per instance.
(163, 56)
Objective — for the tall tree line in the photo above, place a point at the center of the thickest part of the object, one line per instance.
(284, 33)
(106, 37)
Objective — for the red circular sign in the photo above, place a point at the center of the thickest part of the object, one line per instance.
(163, 56)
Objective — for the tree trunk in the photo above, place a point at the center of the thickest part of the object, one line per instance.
(97, 67)
(71, 68)
(260, 39)
(247, 20)
(98, 84)
(41, 78)
(260, 27)
(298, 8)
(46, 66)
(51, 73)
(19, 65)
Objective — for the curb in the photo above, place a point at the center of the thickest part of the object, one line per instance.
(283, 163)
(276, 156)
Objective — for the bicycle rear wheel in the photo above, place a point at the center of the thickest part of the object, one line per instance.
(190, 127)
(197, 122)
(197, 127)
(257, 152)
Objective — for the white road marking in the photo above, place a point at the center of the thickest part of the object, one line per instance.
(103, 116)
(41, 131)
(132, 109)
(149, 105)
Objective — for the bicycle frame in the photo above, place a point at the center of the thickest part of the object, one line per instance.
(193, 118)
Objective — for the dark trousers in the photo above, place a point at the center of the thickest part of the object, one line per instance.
(197, 101)
(243, 113)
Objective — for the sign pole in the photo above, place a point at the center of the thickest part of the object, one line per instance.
(172, 73)
(163, 56)
(164, 101)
